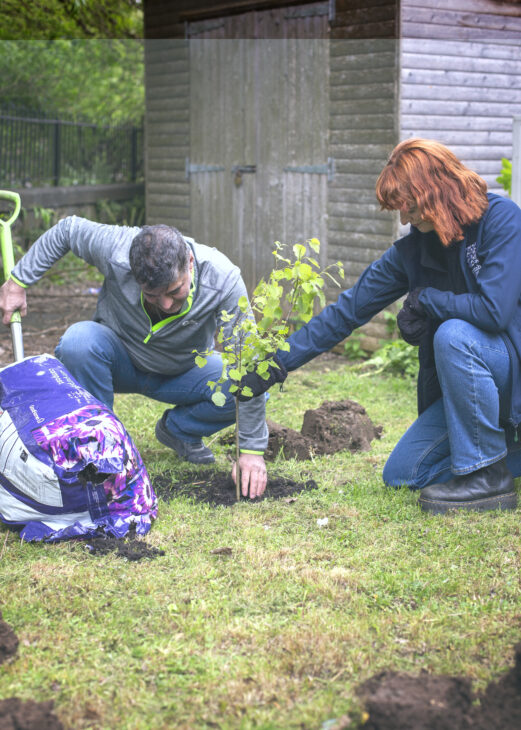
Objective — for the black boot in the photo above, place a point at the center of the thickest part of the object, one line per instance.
(491, 487)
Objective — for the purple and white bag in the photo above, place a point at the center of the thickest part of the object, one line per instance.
(67, 465)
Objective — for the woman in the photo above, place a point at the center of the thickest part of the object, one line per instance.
(460, 266)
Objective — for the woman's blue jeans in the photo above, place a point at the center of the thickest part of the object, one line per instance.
(466, 429)
(96, 357)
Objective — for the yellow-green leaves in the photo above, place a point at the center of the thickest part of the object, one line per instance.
(243, 304)
(285, 299)
(299, 251)
(219, 398)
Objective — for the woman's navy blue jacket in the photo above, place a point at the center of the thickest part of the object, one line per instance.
(489, 263)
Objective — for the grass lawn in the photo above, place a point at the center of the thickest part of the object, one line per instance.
(279, 633)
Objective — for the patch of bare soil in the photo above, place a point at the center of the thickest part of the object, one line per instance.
(334, 426)
(51, 308)
(132, 549)
(429, 702)
(217, 488)
(17, 714)
(8, 641)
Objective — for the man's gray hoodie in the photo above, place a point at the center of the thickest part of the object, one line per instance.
(165, 348)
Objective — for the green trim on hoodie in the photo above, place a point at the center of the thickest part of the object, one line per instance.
(159, 325)
(17, 281)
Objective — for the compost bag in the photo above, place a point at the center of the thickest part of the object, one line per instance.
(68, 467)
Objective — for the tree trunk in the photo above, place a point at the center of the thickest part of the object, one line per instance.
(237, 453)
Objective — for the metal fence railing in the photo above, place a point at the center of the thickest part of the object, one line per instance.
(36, 151)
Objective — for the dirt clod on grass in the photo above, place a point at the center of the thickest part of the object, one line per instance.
(16, 714)
(334, 426)
(217, 488)
(131, 548)
(8, 641)
(429, 702)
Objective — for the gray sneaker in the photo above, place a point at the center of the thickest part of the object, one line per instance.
(196, 452)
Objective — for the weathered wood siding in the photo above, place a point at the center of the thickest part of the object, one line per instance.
(461, 78)
(259, 118)
(167, 132)
(168, 18)
(244, 91)
(363, 131)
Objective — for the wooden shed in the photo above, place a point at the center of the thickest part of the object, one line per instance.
(271, 119)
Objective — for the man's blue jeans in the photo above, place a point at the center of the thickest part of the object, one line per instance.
(464, 430)
(95, 356)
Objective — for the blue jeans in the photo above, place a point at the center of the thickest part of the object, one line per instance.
(96, 357)
(464, 430)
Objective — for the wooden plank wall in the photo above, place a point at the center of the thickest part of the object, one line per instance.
(461, 78)
(363, 130)
(261, 102)
(167, 133)
(167, 121)
(168, 18)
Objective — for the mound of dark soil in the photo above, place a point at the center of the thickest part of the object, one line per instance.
(16, 714)
(334, 426)
(130, 548)
(428, 702)
(401, 702)
(217, 487)
(8, 641)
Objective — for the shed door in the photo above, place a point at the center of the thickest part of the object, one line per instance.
(259, 110)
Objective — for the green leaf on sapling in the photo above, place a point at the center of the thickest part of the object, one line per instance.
(299, 250)
(219, 399)
(200, 361)
(305, 271)
(314, 243)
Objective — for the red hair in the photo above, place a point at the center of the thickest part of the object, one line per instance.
(425, 174)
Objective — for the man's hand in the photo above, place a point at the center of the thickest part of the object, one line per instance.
(253, 474)
(12, 298)
(276, 373)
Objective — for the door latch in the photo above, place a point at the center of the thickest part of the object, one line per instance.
(239, 170)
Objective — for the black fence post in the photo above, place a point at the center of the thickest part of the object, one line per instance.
(56, 154)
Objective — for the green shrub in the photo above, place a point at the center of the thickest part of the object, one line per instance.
(395, 357)
(505, 178)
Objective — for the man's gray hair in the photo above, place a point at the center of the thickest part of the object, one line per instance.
(158, 256)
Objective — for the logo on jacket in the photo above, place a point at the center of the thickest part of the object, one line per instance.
(473, 260)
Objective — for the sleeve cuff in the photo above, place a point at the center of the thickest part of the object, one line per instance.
(250, 451)
(17, 281)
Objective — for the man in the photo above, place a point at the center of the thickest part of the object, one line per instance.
(160, 304)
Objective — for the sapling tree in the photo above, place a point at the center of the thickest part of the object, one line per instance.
(250, 336)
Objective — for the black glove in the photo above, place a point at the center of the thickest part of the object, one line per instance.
(412, 319)
(276, 373)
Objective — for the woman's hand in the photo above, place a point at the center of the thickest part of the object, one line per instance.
(412, 319)
(259, 384)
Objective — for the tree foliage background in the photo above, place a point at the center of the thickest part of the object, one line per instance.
(73, 59)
